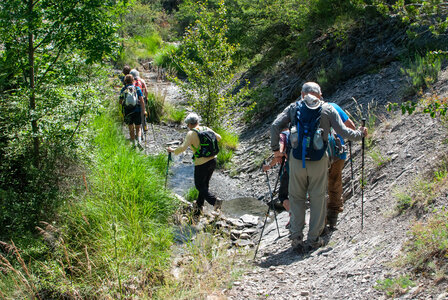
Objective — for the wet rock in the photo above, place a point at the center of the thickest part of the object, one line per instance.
(243, 243)
(249, 219)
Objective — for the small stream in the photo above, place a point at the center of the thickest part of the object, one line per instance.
(237, 201)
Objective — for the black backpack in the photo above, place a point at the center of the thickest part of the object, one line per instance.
(208, 144)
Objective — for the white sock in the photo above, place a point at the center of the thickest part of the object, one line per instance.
(139, 139)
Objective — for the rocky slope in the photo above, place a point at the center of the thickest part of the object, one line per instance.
(349, 266)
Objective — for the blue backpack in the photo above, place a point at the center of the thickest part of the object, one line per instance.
(310, 145)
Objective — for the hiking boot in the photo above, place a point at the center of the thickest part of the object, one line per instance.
(332, 219)
(197, 211)
(314, 244)
(217, 205)
(298, 245)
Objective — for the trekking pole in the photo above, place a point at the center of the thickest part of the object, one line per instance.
(279, 174)
(153, 134)
(267, 214)
(362, 176)
(351, 167)
(167, 166)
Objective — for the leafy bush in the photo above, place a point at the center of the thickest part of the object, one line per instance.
(394, 287)
(427, 249)
(174, 114)
(422, 71)
(155, 106)
(115, 227)
(228, 140)
(224, 157)
(262, 100)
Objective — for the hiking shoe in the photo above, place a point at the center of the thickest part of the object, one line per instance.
(197, 211)
(217, 205)
(298, 245)
(332, 219)
(314, 244)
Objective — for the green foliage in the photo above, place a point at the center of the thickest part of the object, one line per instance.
(174, 114)
(228, 140)
(378, 158)
(328, 76)
(262, 100)
(139, 48)
(227, 145)
(423, 71)
(205, 56)
(115, 227)
(423, 190)
(394, 287)
(192, 194)
(163, 58)
(29, 194)
(224, 158)
(426, 251)
(155, 106)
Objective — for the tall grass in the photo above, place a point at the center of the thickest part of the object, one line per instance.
(111, 238)
(227, 145)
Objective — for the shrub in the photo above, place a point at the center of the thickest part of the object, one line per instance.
(174, 114)
(422, 71)
(394, 286)
(427, 249)
(155, 106)
(228, 140)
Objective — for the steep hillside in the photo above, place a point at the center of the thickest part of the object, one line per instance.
(353, 262)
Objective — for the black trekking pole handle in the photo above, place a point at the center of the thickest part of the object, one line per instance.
(362, 176)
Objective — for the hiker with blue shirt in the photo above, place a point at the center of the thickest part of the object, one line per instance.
(131, 98)
(311, 120)
(335, 202)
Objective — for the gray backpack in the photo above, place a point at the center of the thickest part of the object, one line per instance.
(130, 98)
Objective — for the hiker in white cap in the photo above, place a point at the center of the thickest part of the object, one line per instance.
(311, 119)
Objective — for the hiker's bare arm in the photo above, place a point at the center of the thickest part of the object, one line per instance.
(270, 165)
(340, 128)
(349, 123)
(185, 144)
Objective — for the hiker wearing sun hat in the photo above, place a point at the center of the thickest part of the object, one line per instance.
(310, 119)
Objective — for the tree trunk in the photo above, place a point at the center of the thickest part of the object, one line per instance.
(32, 84)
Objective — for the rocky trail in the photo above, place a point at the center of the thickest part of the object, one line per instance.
(352, 261)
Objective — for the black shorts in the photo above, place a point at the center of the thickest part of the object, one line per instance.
(133, 118)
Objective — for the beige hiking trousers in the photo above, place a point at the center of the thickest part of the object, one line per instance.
(312, 179)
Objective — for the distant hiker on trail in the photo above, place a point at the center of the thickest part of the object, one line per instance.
(335, 202)
(204, 143)
(138, 81)
(284, 177)
(131, 98)
(126, 71)
(311, 120)
(142, 85)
